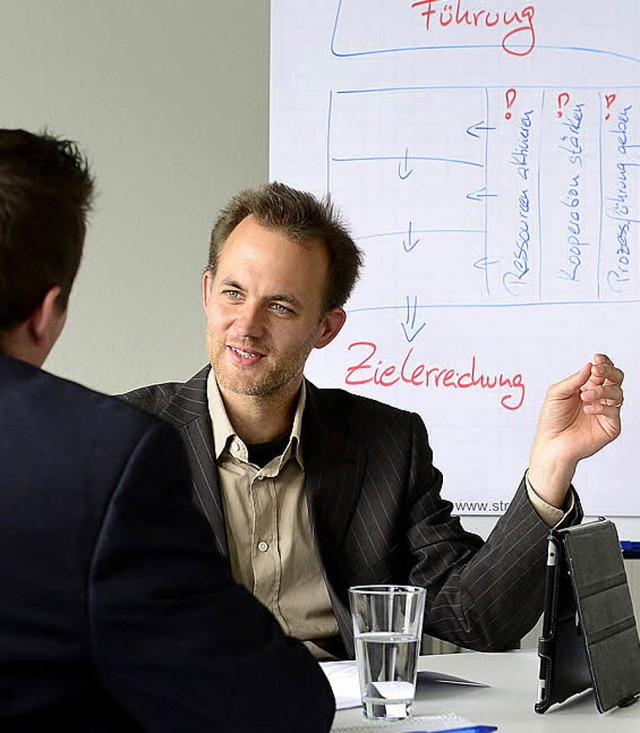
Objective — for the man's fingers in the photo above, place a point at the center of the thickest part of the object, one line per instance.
(610, 395)
(597, 380)
(615, 375)
(604, 369)
(609, 391)
(602, 359)
(569, 386)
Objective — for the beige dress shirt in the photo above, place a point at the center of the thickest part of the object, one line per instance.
(271, 549)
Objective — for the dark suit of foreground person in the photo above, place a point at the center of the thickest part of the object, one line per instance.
(116, 611)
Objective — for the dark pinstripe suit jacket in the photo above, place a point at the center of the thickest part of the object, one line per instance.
(377, 515)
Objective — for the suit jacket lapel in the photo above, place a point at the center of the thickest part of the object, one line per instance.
(188, 411)
(334, 468)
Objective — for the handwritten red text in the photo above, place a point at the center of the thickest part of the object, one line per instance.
(410, 370)
(520, 36)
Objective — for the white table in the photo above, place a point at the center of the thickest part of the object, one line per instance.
(508, 703)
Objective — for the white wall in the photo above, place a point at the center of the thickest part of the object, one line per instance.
(170, 101)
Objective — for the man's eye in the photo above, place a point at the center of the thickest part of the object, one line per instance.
(279, 308)
(232, 294)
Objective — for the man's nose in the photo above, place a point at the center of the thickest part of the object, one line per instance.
(250, 321)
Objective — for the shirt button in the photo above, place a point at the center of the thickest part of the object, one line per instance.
(235, 447)
(263, 546)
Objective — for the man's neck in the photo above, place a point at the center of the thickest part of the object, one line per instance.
(260, 419)
(18, 344)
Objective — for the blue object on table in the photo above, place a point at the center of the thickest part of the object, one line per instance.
(630, 548)
(466, 729)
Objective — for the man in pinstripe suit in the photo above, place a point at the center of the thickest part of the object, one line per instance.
(310, 491)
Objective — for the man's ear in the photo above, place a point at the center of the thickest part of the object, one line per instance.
(330, 326)
(46, 322)
(207, 282)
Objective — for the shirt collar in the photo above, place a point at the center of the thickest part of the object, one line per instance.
(224, 434)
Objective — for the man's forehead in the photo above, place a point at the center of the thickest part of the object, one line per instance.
(252, 226)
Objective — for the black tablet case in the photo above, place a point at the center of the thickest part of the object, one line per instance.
(589, 634)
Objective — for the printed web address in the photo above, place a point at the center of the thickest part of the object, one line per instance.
(480, 507)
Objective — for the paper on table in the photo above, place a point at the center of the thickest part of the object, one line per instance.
(343, 678)
(431, 723)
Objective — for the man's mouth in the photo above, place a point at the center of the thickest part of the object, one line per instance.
(244, 354)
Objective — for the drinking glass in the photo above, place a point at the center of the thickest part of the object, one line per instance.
(387, 627)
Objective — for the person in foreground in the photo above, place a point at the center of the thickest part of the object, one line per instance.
(310, 491)
(116, 613)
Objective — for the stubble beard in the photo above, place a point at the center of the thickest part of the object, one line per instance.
(287, 368)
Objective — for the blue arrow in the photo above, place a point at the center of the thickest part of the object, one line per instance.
(478, 126)
(477, 195)
(410, 338)
(410, 320)
(406, 166)
(413, 243)
(483, 263)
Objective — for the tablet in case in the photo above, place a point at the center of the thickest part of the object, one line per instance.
(589, 634)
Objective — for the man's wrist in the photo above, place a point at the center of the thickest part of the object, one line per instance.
(550, 478)
(550, 515)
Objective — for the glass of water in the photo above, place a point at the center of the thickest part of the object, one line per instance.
(387, 626)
